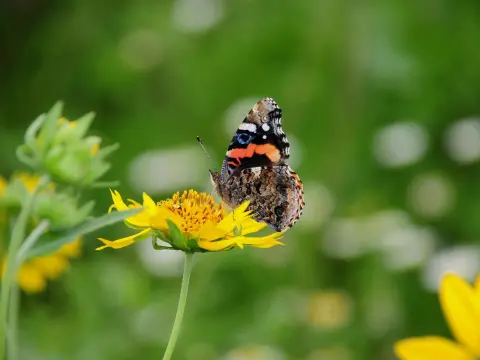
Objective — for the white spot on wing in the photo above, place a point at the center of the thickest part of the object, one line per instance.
(248, 127)
(256, 170)
(264, 137)
(265, 127)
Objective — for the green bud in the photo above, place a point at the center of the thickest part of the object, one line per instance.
(62, 149)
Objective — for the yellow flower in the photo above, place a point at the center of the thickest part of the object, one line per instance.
(461, 305)
(33, 274)
(3, 185)
(191, 222)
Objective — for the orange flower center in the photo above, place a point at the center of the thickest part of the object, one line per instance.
(194, 208)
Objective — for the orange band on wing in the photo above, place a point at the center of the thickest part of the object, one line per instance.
(243, 153)
(267, 149)
(270, 150)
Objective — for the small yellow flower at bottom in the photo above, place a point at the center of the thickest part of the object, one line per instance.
(461, 306)
(191, 222)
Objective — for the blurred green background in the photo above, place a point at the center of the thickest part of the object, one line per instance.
(381, 104)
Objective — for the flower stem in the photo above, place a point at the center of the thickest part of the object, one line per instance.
(12, 336)
(187, 270)
(18, 235)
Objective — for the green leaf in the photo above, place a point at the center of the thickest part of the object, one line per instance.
(31, 133)
(24, 156)
(176, 235)
(53, 242)
(105, 184)
(51, 122)
(83, 124)
(107, 150)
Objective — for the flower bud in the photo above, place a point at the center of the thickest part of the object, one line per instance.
(61, 148)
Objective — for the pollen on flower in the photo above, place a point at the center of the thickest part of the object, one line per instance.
(64, 120)
(194, 208)
(94, 149)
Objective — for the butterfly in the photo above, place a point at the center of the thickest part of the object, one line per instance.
(256, 168)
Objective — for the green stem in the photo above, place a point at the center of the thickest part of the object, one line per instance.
(12, 347)
(30, 241)
(187, 270)
(18, 235)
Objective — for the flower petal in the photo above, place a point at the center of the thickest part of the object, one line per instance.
(234, 218)
(430, 348)
(120, 243)
(250, 226)
(461, 307)
(241, 241)
(30, 279)
(118, 201)
(210, 232)
(159, 222)
(260, 242)
(476, 286)
(216, 245)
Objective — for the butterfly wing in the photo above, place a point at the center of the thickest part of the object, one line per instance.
(258, 141)
(275, 194)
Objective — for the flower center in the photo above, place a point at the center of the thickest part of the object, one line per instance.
(194, 208)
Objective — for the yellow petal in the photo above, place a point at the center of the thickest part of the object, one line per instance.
(159, 220)
(477, 287)
(120, 243)
(216, 245)
(241, 241)
(462, 311)
(52, 266)
(72, 249)
(31, 280)
(258, 241)
(210, 232)
(3, 185)
(118, 201)
(430, 348)
(250, 226)
(234, 218)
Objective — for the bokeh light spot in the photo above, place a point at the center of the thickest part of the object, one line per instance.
(461, 260)
(197, 15)
(168, 170)
(431, 195)
(140, 49)
(400, 144)
(462, 140)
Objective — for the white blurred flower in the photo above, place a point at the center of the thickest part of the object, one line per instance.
(197, 15)
(168, 170)
(351, 237)
(461, 260)
(320, 205)
(407, 247)
(164, 263)
(382, 311)
(431, 195)
(462, 140)
(140, 49)
(400, 144)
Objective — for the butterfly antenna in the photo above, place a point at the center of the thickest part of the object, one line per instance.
(206, 152)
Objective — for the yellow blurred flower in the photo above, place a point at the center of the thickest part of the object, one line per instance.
(191, 222)
(33, 274)
(3, 185)
(461, 306)
(329, 309)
